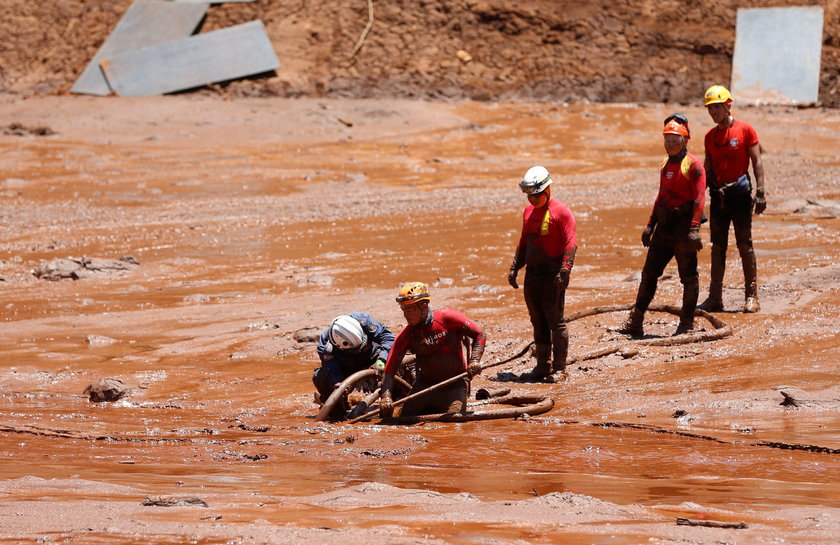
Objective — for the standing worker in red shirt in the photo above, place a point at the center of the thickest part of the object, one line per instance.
(547, 249)
(436, 338)
(673, 229)
(730, 148)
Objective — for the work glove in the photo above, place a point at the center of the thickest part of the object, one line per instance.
(386, 405)
(379, 367)
(694, 241)
(561, 281)
(474, 369)
(646, 235)
(760, 201)
(512, 278)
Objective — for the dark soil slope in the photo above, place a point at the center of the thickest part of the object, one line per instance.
(599, 50)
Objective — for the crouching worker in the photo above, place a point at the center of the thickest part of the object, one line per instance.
(436, 338)
(351, 343)
(673, 229)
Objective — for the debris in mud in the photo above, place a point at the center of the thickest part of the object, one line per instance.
(173, 501)
(106, 389)
(711, 523)
(307, 334)
(16, 129)
(679, 413)
(259, 429)
(385, 453)
(99, 340)
(84, 267)
(789, 400)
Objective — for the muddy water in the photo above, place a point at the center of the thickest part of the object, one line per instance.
(242, 245)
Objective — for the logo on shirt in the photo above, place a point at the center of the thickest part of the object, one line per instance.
(733, 143)
(433, 339)
(669, 174)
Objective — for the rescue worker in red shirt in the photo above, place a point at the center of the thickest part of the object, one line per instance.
(673, 229)
(547, 249)
(435, 337)
(730, 148)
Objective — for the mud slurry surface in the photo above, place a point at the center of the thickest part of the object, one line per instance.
(254, 219)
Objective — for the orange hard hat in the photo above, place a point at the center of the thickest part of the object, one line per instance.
(413, 292)
(675, 127)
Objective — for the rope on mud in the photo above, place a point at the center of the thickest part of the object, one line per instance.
(535, 404)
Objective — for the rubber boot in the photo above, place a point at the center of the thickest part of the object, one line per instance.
(633, 326)
(714, 302)
(751, 303)
(558, 364)
(543, 368)
(691, 289)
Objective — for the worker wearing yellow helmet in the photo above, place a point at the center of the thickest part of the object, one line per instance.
(436, 337)
(731, 146)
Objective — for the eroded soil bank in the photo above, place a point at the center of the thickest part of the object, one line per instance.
(253, 219)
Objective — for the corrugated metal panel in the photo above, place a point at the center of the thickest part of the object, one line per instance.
(225, 54)
(777, 55)
(145, 23)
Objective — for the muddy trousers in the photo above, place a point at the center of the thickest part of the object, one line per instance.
(452, 398)
(661, 251)
(737, 211)
(546, 310)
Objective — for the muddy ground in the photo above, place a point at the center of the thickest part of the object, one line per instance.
(252, 219)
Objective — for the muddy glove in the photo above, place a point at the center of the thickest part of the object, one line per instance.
(386, 405)
(646, 235)
(561, 281)
(512, 278)
(379, 367)
(694, 241)
(760, 201)
(473, 369)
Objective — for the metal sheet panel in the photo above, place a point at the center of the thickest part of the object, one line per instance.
(145, 23)
(221, 55)
(777, 55)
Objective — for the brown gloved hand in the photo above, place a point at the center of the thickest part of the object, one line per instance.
(646, 235)
(473, 369)
(386, 405)
(694, 241)
(561, 281)
(760, 201)
(512, 278)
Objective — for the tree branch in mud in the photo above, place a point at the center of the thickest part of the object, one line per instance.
(365, 31)
(711, 523)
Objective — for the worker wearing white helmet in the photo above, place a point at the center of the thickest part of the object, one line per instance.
(546, 248)
(350, 343)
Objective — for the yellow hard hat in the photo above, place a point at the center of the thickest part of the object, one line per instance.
(413, 292)
(717, 94)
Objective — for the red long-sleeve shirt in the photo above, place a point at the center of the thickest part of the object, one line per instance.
(682, 184)
(436, 344)
(548, 233)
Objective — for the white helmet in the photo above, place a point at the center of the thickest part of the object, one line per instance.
(535, 180)
(346, 333)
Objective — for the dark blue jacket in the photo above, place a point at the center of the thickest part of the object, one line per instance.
(339, 364)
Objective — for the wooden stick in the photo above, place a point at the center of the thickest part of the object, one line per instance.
(365, 31)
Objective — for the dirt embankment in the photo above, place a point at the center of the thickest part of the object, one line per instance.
(600, 51)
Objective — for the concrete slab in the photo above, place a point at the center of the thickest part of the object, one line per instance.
(145, 23)
(777, 55)
(221, 55)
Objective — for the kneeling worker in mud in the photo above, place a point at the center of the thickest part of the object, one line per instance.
(673, 229)
(351, 343)
(547, 249)
(436, 338)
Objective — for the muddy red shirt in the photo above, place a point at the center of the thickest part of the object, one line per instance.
(547, 233)
(728, 151)
(682, 184)
(436, 344)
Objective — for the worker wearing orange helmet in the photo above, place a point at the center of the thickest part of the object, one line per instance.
(546, 248)
(436, 338)
(673, 229)
(731, 146)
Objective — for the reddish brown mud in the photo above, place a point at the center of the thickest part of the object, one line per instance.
(253, 219)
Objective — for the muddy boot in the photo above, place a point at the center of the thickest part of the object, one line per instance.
(633, 325)
(543, 368)
(751, 303)
(684, 327)
(750, 284)
(558, 364)
(714, 302)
